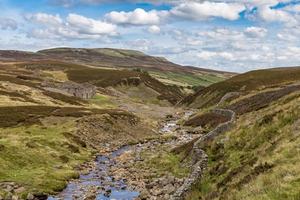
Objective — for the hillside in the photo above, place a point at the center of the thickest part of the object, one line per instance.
(164, 70)
(62, 120)
(243, 83)
(255, 156)
(47, 137)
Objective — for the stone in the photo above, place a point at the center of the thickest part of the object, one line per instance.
(156, 192)
(14, 197)
(19, 190)
(90, 197)
(169, 189)
(166, 196)
(30, 196)
(107, 193)
(9, 188)
(144, 194)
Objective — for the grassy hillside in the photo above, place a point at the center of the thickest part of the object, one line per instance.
(166, 71)
(187, 79)
(46, 136)
(257, 159)
(103, 77)
(244, 83)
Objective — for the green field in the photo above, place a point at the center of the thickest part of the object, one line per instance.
(184, 79)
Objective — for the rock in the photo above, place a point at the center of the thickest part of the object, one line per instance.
(8, 196)
(30, 196)
(144, 195)
(19, 190)
(15, 197)
(107, 193)
(9, 188)
(169, 189)
(156, 192)
(166, 196)
(90, 197)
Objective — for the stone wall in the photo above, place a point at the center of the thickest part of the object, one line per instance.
(227, 96)
(199, 157)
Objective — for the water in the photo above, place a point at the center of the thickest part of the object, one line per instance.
(99, 180)
(171, 125)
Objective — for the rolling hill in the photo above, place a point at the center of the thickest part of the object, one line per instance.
(159, 67)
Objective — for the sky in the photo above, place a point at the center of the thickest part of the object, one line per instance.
(230, 35)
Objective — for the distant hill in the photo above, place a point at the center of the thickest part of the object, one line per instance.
(160, 67)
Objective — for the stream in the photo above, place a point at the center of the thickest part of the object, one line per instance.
(105, 186)
(99, 184)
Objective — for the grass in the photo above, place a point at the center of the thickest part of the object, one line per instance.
(186, 79)
(165, 162)
(40, 158)
(258, 159)
(102, 101)
(27, 115)
(56, 75)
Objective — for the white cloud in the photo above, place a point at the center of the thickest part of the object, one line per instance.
(44, 18)
(256, 31)
(154, 29)
(208, 55)
(90, 26)
(137, 17)
(200, 11)
(73, 27)
(293, 8)
(7, 23)
(275, 15)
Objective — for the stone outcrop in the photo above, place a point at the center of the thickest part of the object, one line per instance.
(80, 90)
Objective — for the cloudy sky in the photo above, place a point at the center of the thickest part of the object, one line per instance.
(233, 35)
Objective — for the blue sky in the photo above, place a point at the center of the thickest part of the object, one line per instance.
(232, 35)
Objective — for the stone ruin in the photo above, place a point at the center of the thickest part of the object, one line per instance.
(80, 90)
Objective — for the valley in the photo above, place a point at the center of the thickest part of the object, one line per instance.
(119, 124)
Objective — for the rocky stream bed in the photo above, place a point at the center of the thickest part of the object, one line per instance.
(116, 176)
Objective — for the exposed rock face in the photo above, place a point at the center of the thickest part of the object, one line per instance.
(84, 90)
